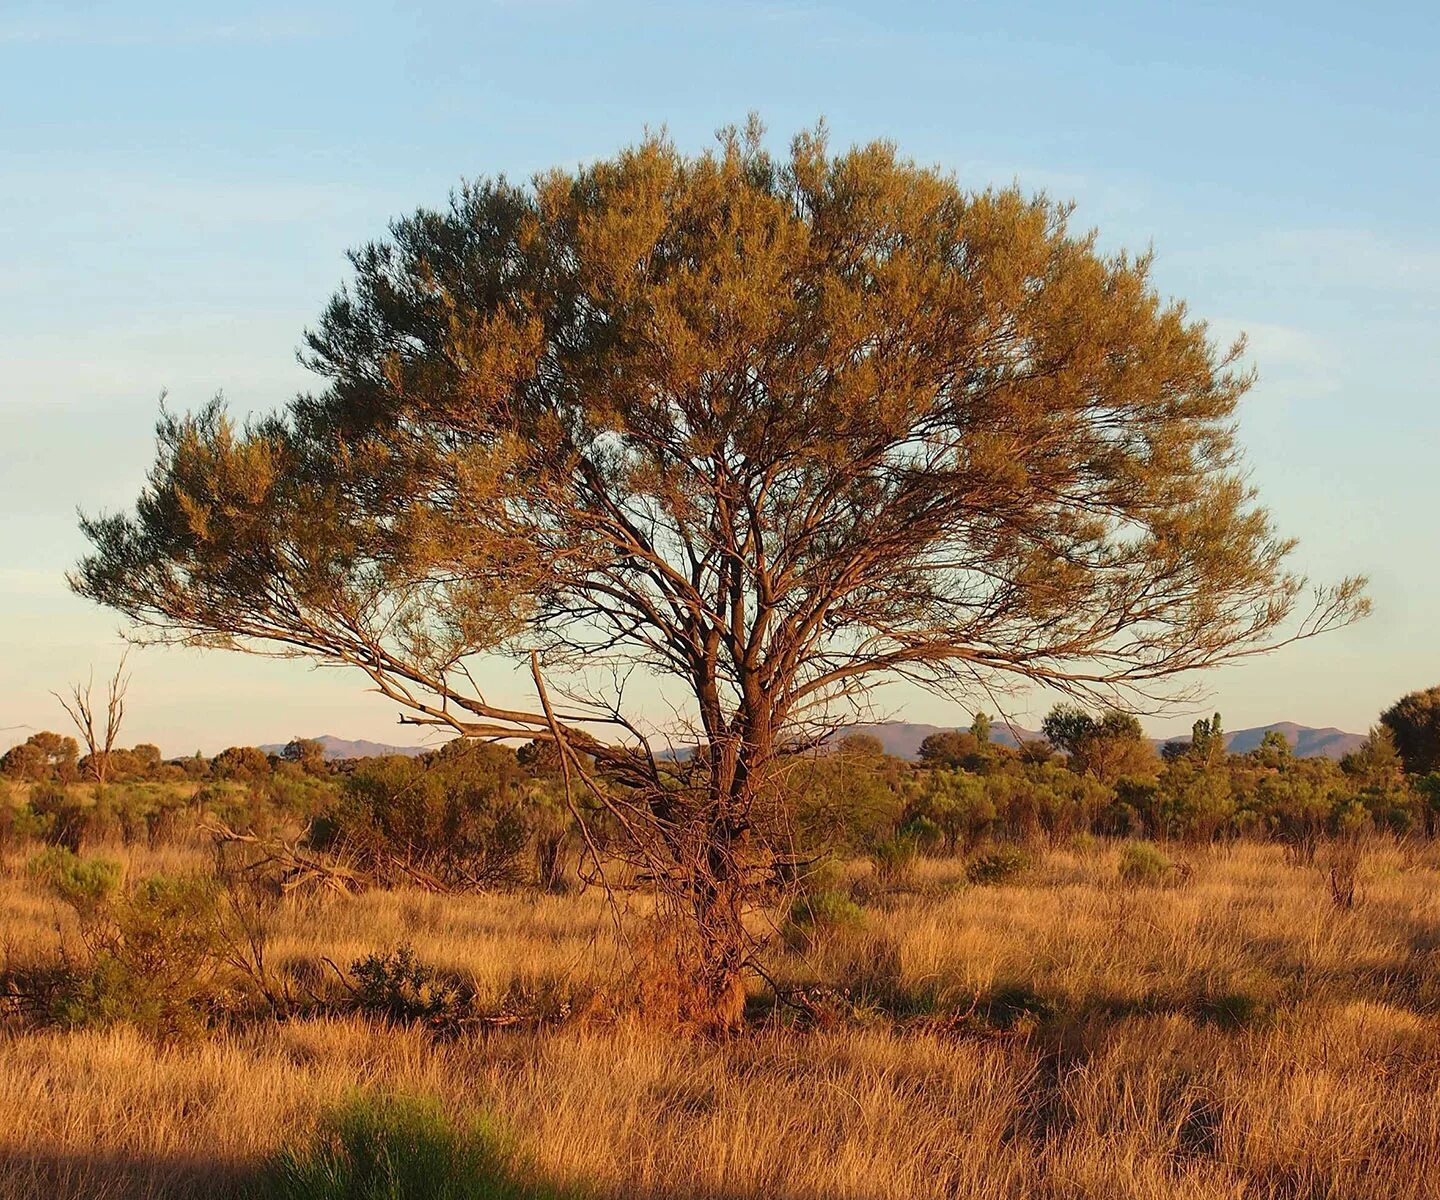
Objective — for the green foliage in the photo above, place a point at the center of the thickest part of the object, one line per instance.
(1108, 747)
(307, 753)
(66, 816)
(819, 913)
(459, 814)
(152, 950)
(845, 801)
(951, 749)
(43, 757)
(1207, 740)
(952, 807)
(1003, 864)
(86, 884)
(892, 858)
(1414, 724)
(1194, 800)
(402, 1148)
(1144, 864)
(398, 987)
(1349, 817)
(1377, 763)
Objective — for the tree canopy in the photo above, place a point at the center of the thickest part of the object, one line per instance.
(775, 427)
(1414, 722)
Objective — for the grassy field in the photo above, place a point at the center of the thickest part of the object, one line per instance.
(1231, 1034)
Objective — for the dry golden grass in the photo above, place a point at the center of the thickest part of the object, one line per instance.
(1235, 1036)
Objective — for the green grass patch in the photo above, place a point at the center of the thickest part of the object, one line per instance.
(403, 1148)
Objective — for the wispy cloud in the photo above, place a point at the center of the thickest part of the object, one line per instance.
(1328, 258)
(1294, 363)
(92, 28)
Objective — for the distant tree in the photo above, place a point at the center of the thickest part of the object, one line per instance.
(308, 753)
(1174, 750)
(1109, 747)
(246, 763)
(1036, 751)
(862, 745)
(99, 728)
(1067, 725)
(147, 757)
(952, 748)
(24, 762)
(1274, 750)
(1377, 763)
(61, 754)
(1207, 740)
(980, 727)
(196, 766)
(1414, 722)
(776, 428)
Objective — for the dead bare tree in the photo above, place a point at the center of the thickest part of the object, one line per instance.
(99, 728)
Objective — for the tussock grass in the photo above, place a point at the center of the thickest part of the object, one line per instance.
(1234, 1035)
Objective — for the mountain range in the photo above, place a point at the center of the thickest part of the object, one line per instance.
(338, 748)
(903, 738)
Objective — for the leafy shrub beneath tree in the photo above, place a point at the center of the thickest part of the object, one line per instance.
(458, 815)
(819, 913)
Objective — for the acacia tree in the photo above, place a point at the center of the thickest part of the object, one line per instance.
(774, 428)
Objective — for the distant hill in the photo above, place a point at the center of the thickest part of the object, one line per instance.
(903, 738)
(1305, 741)
(338, 748)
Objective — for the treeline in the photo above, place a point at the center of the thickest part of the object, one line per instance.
(1098, 774)
(1101, 777)
(472, 814)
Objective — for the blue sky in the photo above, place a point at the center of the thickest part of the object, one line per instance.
(177, 190)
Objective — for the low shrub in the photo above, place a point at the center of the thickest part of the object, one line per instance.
(1000, 865)
(65, 818)
(1230, 1010)
(86, 884)
(819, 913)
(1144, 864)
(152, 952)
(1014, 1006)
(892, 858)
(402, 1148)
(397, 987)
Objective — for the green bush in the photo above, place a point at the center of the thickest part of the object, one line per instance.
(152, 951)
(402, 1149)
(893, 857)
(86, 884)
(822, 912)
(459, 814)
(1000, 865)
(66, 818)
(1144, 863)
(398, 987)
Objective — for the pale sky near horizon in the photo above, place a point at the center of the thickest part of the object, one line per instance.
(177, 191)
